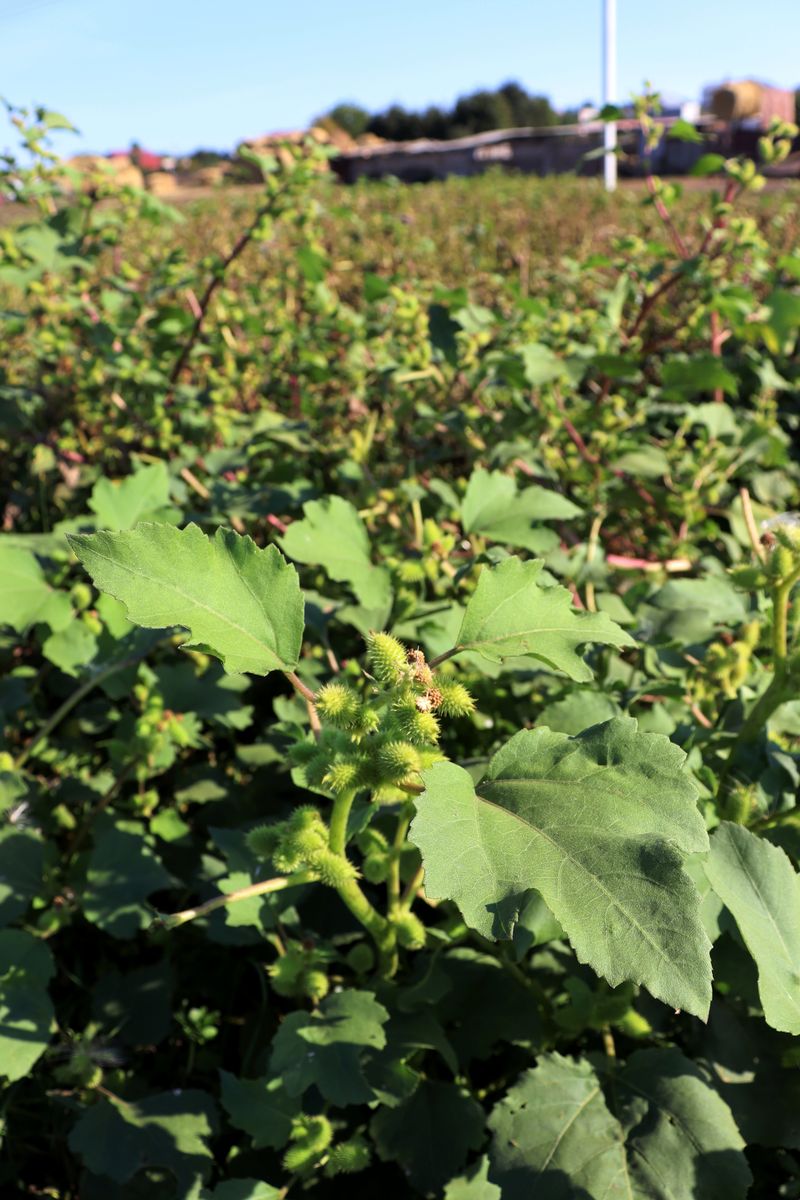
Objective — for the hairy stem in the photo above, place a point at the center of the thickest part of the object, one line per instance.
(393, 882)
(310, 699)
(412, 888)
(173, 920)
(339, 817)
(750, 522)
(591, 551)
(377, 926)
(781, 686)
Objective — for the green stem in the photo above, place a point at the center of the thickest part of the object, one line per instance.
(393, 882)
(776, 694)
(413, 886)
(339, 817)
(70, 702)
(416, 511)
(377, 926)
(780, 688)
(591, 550)
(780, 618)
(173, 920)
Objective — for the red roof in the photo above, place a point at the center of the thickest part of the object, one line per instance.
(144, 158)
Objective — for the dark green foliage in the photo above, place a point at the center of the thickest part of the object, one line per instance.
(509, 106)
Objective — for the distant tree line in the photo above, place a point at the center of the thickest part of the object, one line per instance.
(506, 107)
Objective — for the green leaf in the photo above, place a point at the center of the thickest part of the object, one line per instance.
(260, 1108)
(661, 1133)
(135, 1006)
(578, 711)
(71, 648)
(430, 1134)
(493, 508)
(26, 1011)
(119, 504)
(217, 700)
(333, 536)
(693, 608)
(763, 1095)
(122, 872)
(703, 373)
(442, 330)
(708, 164)
(21, 870)
(483, 1005)
(239, 602)
(26, 597)
(512, 614)
(474, 1184)
(651, 462)
(54, 120)
(554, 1138)
(325, 1048)
(540, 364)
(600, 825)
(758, 884)
(243, 1189)
(681, 1138)
(683, 131)
(313, 266)
(172, 1130)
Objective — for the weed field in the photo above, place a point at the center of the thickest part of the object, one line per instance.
(399, 687)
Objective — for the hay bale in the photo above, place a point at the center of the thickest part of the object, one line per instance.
(737, 101)
(161, 183)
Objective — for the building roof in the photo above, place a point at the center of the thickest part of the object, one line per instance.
(434, 146)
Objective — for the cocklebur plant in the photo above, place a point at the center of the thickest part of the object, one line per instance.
(775, 576)
(596, 838)
(385, 744)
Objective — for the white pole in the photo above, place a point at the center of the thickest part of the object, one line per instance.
(610, 90)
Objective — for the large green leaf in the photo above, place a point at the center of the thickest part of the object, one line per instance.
(333, 536)
(493, 508)
(430, 1134)
(239, 602)
(681, 1138)
(136, 1006)
(600, 825)
(71, 648)
(763, 1094)
(116, 1139)
(21, 870)
(25, 595)
(540, 364)
(474, 1184)
(122, 872)
(243, 1189)
(690, 610)
(511, 614)
(758, 884)
(26, 1011)
(259, 1107)
(325, 1048)
(144, 495)
(554, 1138)
(660, 1133)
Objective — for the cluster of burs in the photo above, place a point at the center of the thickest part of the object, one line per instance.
(376, 736)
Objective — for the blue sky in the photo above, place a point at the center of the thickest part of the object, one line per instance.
(177, 74)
